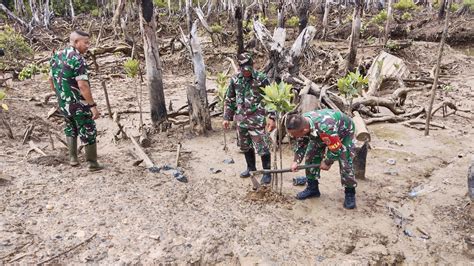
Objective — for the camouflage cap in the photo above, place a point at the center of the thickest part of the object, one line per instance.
(245, 59)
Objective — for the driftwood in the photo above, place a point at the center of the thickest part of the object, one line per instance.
(178, 153)
(127, 50)
(140, 152)
(361, 131)
(35, 148)
(377, 101)
(412, 123)
(395, 118)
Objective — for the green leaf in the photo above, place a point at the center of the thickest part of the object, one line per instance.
(5, 107)
(2, 95)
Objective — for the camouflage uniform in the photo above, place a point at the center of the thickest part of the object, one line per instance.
(67, 67)
(243, 102)
(330, 139)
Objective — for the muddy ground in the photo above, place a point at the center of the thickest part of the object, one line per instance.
(126, 214)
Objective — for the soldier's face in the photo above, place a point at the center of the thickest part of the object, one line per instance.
(246, 71)
(297, 133)
(82, 44)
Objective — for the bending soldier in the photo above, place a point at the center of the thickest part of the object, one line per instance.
(324, 136)
(243, 103)
(70, 81)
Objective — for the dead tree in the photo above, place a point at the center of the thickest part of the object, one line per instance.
(117, 14)
(11, 15)
(387, 24)
(442, 9)
(303, 12)
(199, 116)
(327, 7)
(35, 20)
(355, 34)
(71, 6)
(435, 82)
(240, 33)
(46, 14)
(153, 63)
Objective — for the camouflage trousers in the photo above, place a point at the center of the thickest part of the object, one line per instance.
(256, 138)
(80, 123)
(315, 154)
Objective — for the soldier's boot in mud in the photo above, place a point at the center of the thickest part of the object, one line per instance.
(311, 190)
(350, 198)
(250, 159)
(91, 157)
(72, 146)
(266, 164)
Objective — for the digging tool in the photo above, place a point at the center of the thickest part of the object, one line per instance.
(256, 184)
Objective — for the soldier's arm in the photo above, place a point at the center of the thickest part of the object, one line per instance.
(300, 149)
(230, 102)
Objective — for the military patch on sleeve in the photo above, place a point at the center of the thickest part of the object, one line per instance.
(333, 142)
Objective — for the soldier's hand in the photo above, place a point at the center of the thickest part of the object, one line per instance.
(294, 167)
(325, 166)
(225, 124)
(95, 113)
(271, 125)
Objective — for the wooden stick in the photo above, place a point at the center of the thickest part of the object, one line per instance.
(139, 151)
(284, 170)
(35, 148)
(68, 250)
(178, 152)
(27, 134)
(106, 94)
(438, 63)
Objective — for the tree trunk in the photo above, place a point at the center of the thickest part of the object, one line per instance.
(327, 8)
(46, 14)
(355, 34)
(153, 63)
(438, 63)
(12, 16)
(442, 9)
(303, 12)
(189, 22)
(117, 15)
(240, 33)
(20, 9)
(387, 24)
(200, 118)
(35, 20)
(71, 6)
(281, 15)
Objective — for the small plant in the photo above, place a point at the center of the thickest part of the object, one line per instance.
(277, 97)
(405, 5)
(131, 67)
(454, 7)
(392, 46)
(380, 18)
(160, 3)
(293, 22)
(3, 105)
(32, 69)
(371, 40)
(447, 88)
(221, 88)
(312, 20)
(469, 4)
(95, 12)
(407, 16)
(216, 28)
(352, 85)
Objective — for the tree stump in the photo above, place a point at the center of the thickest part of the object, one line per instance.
(198, 112)
(360, 160)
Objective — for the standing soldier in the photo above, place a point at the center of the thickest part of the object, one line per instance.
(324, 136)
(243, 102)
(70, 81)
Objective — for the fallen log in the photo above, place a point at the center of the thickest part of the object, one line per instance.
(395, 118)
(377, 101)
(361, 131)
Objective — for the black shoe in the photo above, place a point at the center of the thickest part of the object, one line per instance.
(311, 190)
(350, 199)
(250, 160)
(266, 164)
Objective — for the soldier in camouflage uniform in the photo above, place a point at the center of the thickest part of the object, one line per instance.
(243, 103)
(70, 81)
(324, 136)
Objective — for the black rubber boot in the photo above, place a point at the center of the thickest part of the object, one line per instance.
(72, 146)
(91, 157)
(311, 190)
(266, 164)
(250, 159)
(350, 198)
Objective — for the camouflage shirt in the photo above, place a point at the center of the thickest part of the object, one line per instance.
(243, 100)
(328, 129)
(66, 68)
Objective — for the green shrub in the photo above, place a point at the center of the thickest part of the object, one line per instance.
(277, 97)
(131, 66)
(16, 49)
(407, 16)
(160, 3)
(469, 4)
(454, 7)
(405, 5)
(3, 105)
(352, 85)
(293, 22)
(216, 28)
(95, 12)
(221, 88)
(32, 69)
(380, 18)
